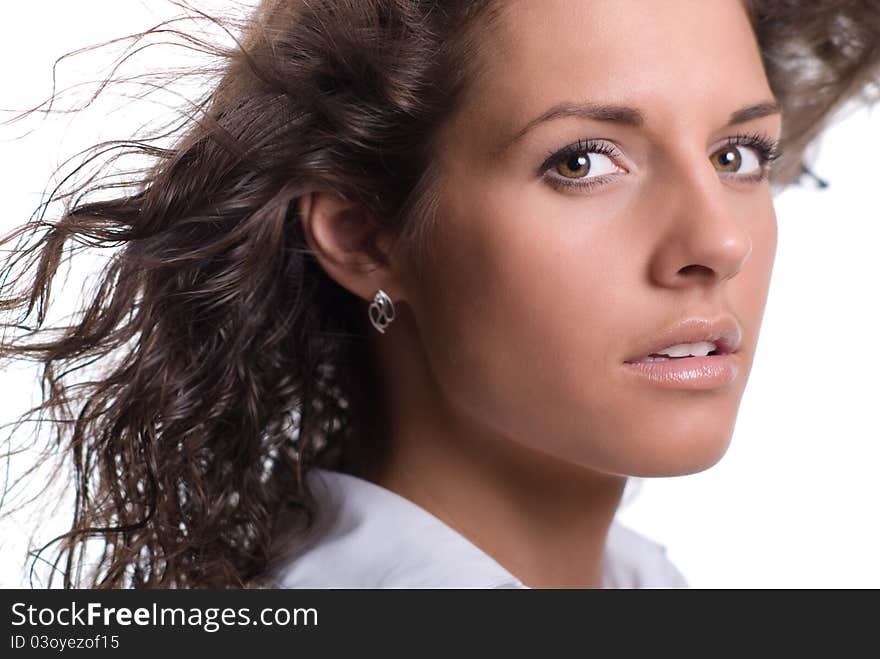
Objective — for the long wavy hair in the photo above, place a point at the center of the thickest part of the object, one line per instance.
(226, 362)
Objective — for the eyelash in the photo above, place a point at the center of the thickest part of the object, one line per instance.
(768, 150)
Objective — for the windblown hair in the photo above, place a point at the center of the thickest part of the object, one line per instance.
(818, 56)
(229, 363)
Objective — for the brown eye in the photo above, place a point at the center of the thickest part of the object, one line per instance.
(727, 159)
(737, 159)
(578, 165)
(574, 167)
(583, 165)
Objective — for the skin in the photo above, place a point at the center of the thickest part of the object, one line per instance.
(512, 417)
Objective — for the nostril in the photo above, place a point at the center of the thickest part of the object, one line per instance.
(689, 268)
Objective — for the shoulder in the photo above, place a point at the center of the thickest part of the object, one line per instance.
(634, 561)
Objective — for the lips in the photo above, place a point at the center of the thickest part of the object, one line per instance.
(724, 331)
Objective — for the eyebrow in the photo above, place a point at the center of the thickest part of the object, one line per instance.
(630, 116)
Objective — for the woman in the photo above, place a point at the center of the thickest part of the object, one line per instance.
(424, 283)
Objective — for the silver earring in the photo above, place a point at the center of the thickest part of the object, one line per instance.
(381, 311)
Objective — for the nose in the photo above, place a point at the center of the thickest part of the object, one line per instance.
(703, 242)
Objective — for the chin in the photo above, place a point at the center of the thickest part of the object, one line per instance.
(680, 445)
(677, 457)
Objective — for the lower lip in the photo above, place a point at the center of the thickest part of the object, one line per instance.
(709, 372)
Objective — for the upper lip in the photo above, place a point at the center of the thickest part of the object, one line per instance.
(724, 331)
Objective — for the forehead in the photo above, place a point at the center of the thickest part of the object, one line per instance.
(677, 60)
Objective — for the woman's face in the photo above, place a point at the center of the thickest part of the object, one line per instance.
(552, 269)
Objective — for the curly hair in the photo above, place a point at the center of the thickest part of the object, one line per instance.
(228, 362)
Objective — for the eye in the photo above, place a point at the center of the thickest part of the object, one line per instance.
(746, 157)
(584, 164)
(737, 159)
(579, 166)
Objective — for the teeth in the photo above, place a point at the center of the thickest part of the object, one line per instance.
(700, 349)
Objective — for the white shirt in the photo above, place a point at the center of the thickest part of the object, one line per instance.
(366, 536)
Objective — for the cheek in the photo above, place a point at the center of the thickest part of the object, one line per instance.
(520, 313)
(749, 289)
(765, 247)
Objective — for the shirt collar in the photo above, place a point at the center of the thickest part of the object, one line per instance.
(366, 536)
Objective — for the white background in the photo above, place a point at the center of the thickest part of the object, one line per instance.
(794, 501)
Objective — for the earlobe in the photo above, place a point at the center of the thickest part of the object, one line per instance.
(349, 245)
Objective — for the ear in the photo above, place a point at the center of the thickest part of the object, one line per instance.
(348, 243)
